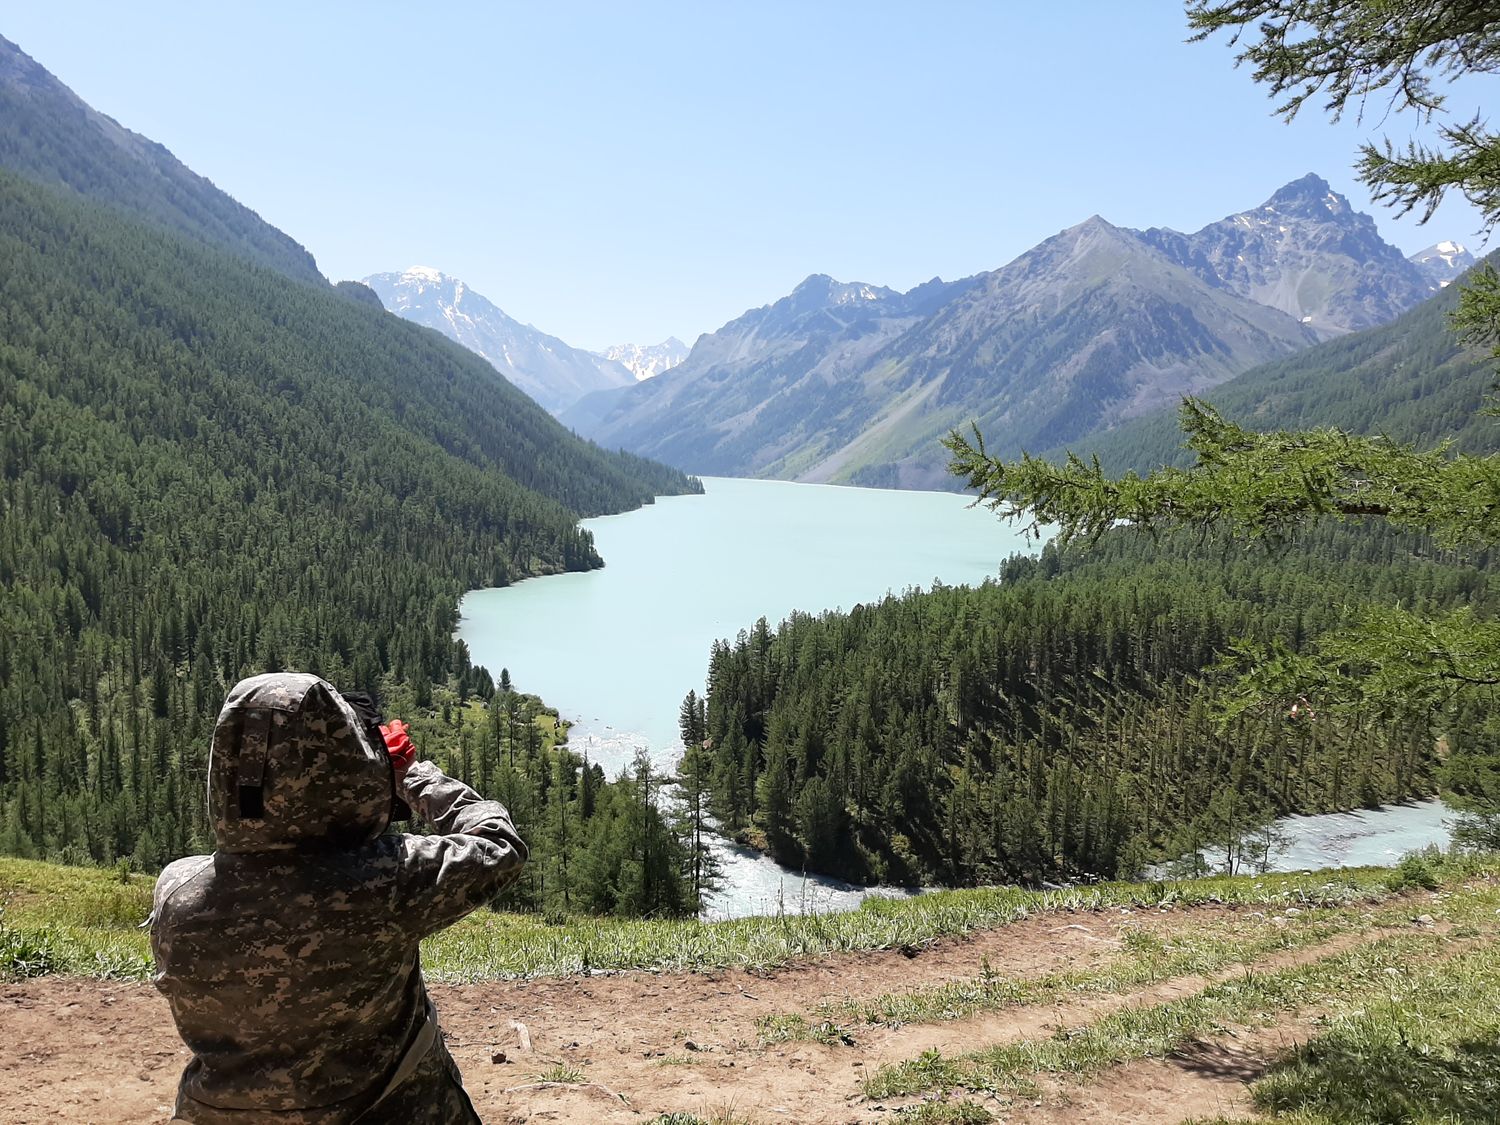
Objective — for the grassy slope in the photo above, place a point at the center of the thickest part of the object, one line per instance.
(87, 920)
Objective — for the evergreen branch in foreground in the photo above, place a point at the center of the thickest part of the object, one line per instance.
(1263, 485)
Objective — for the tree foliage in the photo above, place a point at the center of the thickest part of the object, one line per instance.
(1262, 484)
(1406, 658)
(1068, 719)
(209, 470)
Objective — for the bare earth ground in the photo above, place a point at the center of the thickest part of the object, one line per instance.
(97, 1051)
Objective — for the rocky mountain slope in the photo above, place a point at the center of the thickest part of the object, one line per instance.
(1411, 379)
(1306, 252)
(769, 385)
(50, 135)
(646, 360)
(550, 371)
(856, 383)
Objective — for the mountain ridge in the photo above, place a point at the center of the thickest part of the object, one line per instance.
(1335, 273)
(1407, 379)
(850, 382)
(50, 135)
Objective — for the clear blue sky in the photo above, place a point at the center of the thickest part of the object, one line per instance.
(623, 171)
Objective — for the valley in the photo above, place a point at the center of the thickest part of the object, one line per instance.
(868, 768)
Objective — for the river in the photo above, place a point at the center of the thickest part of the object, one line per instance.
(615, 650)
(1363, 838)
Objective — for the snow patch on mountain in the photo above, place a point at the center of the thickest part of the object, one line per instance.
(1442, 262)
(646, 360)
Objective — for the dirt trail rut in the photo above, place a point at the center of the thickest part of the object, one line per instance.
(97, 1051)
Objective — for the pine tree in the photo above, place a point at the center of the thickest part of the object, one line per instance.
(693, 786)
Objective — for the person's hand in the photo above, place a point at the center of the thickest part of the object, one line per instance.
(398, 745)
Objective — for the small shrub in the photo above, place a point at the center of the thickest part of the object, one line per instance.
(1416, 869)
(1143, 943)
(27, 954)
(945, 1113)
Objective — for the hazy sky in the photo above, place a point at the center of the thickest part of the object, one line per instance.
(624, 171)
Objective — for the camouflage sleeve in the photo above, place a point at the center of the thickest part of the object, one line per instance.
(474, 856)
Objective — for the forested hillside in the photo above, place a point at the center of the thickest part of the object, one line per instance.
(50, 135)
(1061, 722)
(1410, 379)
(208, 470)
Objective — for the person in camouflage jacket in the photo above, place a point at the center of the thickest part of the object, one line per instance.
(289, 955)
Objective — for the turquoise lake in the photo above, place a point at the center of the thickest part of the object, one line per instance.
(615, 650)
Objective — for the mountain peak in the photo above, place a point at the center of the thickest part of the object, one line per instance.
(17, 68)
(1442, 262)
(1304, 251)
(1310, 195)
(1310, 184)
(1095, 225)
(819, 291)
(424, 274)
(815, 283)
(645, 360)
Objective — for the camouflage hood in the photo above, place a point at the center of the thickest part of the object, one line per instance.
(291, 766)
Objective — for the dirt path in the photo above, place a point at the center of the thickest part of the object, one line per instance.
(88, 1050)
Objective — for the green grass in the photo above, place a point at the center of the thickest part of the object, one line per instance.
(562, 1073)
(489, 946)
(1345, 981)
(1145, 959)
(1193, 947)
(1426, 1051)
(724, 1115)
(89, 918)
(944, 1113)
(79, 920)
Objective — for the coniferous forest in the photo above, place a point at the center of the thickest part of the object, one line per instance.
(210, 470)
(1068, 720)
(212, 463)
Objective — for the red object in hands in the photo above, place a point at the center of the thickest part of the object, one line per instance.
(398, 745)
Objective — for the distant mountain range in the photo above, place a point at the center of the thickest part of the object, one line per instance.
(855, 383)
(646, 360)
(550, 371)
(214, 463)
(196, 267)
(845, 382)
